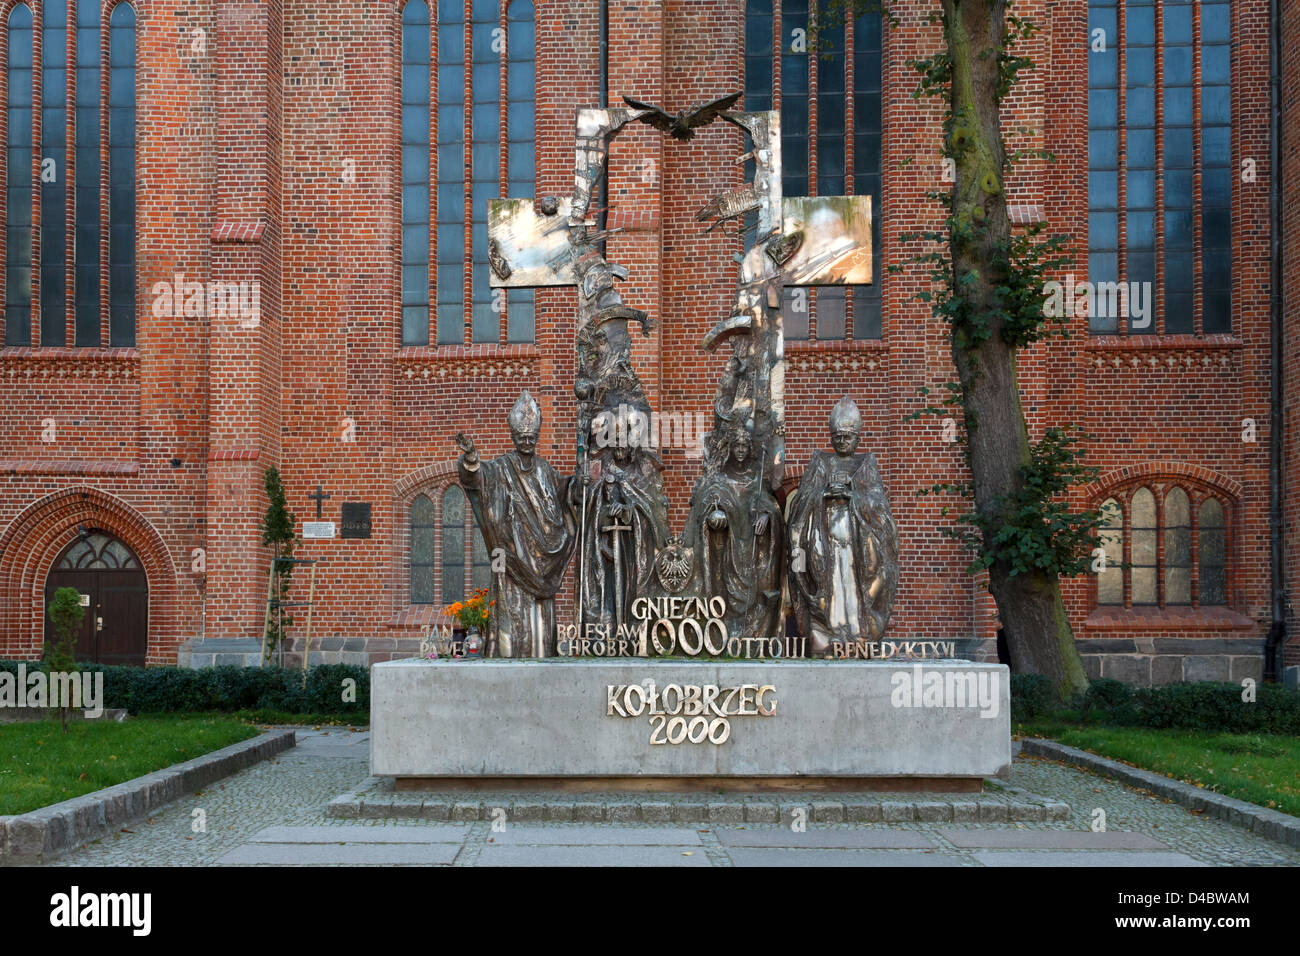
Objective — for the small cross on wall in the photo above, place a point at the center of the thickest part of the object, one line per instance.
(319, 497)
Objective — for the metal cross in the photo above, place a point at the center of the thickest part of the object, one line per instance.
(616, 531)
(318, 498)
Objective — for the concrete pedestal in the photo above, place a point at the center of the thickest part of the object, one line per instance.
(623, 718)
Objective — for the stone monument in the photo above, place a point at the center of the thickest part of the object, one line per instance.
(732, 552)
(908, 716)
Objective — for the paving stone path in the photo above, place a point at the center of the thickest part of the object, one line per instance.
(274, 814)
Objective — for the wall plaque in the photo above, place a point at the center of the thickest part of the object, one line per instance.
(356, 519)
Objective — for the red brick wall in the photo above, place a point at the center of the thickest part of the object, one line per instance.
(1290, 173)
(122, 416)
(248, 142)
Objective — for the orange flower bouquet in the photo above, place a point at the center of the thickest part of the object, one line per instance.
(473, 613)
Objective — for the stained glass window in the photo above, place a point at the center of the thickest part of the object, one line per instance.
(18, 206)
(453, 544)
(1110, 580)
(1163, 575)
(1213, 556)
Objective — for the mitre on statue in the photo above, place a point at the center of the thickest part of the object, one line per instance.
(845, 417)
(525, 417)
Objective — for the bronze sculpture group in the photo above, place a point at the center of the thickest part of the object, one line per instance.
(830, 558)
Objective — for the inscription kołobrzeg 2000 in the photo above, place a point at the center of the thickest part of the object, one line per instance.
(690, 713)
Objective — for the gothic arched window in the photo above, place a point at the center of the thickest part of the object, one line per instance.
(415, 173)
(99, 551)
(831, 123)
(439, 524)
(1144, 130)
(1213, 557)
(1110, 580)
(121, 176)
(1142, 537)
(18, 206)
(38, 262)
(521, 147)
(54, 166)
(1177, 548)
(1177, 530)
(421, 563)
(453, 544)
(472, 109)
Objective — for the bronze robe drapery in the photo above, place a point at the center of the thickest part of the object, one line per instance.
(849, 551)
(638, 488)
(740, 566)
(523, 512)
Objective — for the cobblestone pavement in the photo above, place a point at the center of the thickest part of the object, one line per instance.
(274, 813)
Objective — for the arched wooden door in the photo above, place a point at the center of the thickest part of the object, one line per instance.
(115, 594)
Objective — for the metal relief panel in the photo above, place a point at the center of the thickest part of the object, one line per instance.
(836, 246)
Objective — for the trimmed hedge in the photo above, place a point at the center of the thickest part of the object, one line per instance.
(163, 690)
(1217, 707)
(1032, 695)
(1207, 706)
(1203, 706)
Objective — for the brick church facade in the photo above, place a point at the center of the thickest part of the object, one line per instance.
(331, 161)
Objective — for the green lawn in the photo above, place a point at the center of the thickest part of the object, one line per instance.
(1260, 768)
(41, 765)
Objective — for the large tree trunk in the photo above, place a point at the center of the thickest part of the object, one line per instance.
(1029, 605)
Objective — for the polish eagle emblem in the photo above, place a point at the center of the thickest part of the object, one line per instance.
(674, 564)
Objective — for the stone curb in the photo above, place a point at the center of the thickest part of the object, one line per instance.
(364, 804)
(30, 837)
(1270, 824)
(21, 715)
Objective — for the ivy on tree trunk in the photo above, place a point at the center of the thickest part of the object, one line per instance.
(994, 304)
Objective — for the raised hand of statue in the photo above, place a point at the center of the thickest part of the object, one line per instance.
(760, 525)
(468, 453)
(717, 519)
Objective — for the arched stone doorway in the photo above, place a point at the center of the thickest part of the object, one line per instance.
(32, 544)
(115, 593)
